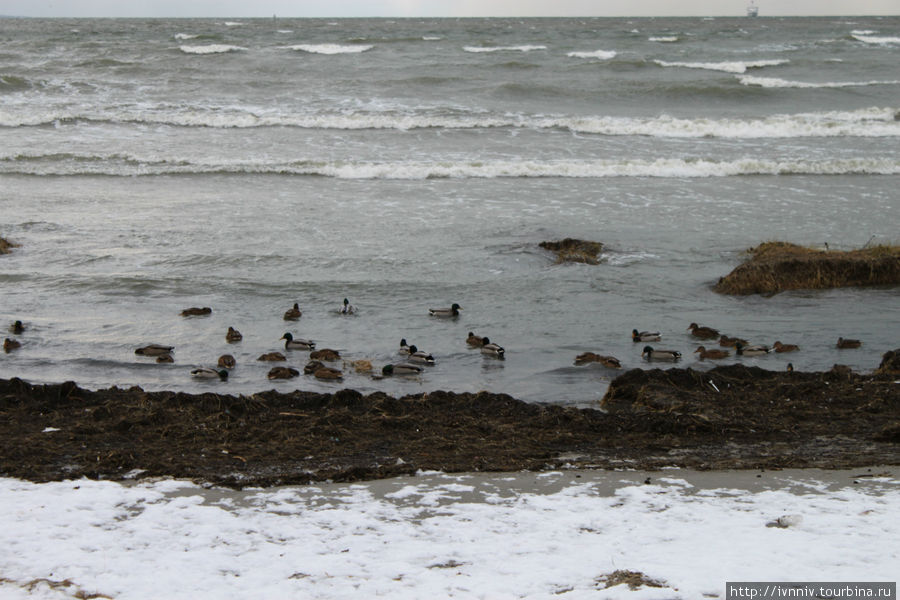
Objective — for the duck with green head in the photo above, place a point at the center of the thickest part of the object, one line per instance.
(208, 373)
(453, 311)
(291, 343)
(650, 354)
(401, 369)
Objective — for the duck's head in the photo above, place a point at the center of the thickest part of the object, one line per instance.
(700, 349)
(456, 306)
(346, 302)
(647, 350)
(413, 349)
(693, 326)
(287, 336)
(387, 369)
(223, 373)
(485, 341)
(403, 342)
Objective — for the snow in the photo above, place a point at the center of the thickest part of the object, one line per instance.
(437, 535)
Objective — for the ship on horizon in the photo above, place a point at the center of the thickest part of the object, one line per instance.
(752, 9)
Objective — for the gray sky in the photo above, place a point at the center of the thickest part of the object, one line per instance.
(437, 8)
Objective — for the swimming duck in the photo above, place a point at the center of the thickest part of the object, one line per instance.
(610, 362)
(282, 373)
(401, 369)
(489, 348)
(227, 361)
(713, 353)
(790, 367)
(17, 328)
(324, 372)
(475, 340)
(347, 308)
(754, 350)
(194, 311)
(652, 354)
(779, 347)
(299, 344)
(293, 314)
(842, 343)
(154, 350)
(233, 335)
(272, 357)
(731, 342)
(404, 347)
(208, 373)
(9, 344)
(645, 336)
(419, 356)
(165, 358)
(325, 354)
(453, 311)
(705, 333)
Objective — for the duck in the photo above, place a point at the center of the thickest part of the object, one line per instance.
(208, 373)
(165, 358)
(731, 342)
(713, 353)
(404, 347)
(324, 372)
(420, 356)
(272, 357)
(233, 335)
(401, 369)
(790, 367)
(652, 354)
(607, 361)
(475, 340)
(282, 373)
(453, 311)
(9, 344)
(753, 350)
(645, 336)
(705, 333)
(299, 344)
(196, 312)
(489, 348)
(842, 343)
(779, 347)
(292, 314)
(154, 350)
(227, 361)
(325, 354)
(347, 308)
(17, 328)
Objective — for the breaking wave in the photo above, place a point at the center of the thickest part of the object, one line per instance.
(727, 67)
(211, 49)
(332, 48)
(774, 82)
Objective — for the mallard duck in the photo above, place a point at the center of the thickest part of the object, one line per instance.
(208, 373)
(233, 335)
(607, 361)
(419, 356)
(779, 347)
(475, 340)
(842, 343)
(272, 357)
(17, 328)
(651, 354)
(404, 347)
(704, 333)
(328, 373)
(401, 369)
(154, 350)
(753, 350)
(790, 367)
(645, 336)
(299, 344)
(713, 353)
(282, 373)
(310, 367)
(453, 311)
(9, 344)
(227, 361)
(325, 354)
(488, 348)
(292, 314)
(731, 342)
(195, 311)
(347, 308)
(165, 358)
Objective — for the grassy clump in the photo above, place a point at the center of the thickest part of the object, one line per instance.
(778, 266)
(573, 250)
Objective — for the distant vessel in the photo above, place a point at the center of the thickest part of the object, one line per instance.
(752, 9)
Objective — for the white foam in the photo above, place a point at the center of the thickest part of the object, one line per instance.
(332, 48)
(727, 67)
(211, 49)
(664, 39)
(185, 36)
(869, 39)
(774, 82)
(601, 54)
(525, 48)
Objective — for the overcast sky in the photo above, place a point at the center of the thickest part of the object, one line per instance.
(437, 8)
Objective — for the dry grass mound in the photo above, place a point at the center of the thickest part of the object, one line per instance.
(778, 266)
(574, 250)
(6, 246)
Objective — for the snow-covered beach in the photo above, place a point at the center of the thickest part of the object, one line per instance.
(565, 534)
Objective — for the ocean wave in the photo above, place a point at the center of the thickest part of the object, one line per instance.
(870, 39)
(727, 67)
(186, 36)
(14, 83)
(868, 122)
(211, 49)
(331, 48)
(664, 39)
(601, 54)
(525, 48)
(774, 82)
(127, 166)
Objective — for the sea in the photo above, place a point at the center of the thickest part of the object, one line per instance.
(148, 166)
